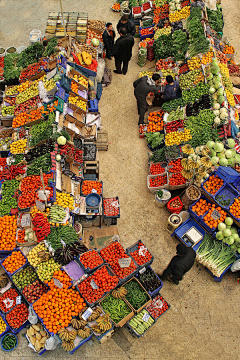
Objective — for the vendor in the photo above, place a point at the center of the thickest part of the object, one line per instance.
(180, 264)
(142, 87)
(124, 22)
(108, 40)
(172, 89)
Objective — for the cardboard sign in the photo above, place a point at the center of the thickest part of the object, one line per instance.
(26, 220)
(18, 300)
(87, 313)
(142, 270)
(93, 285)
(58, 283)
(145, 317)
(180, 130)
(142, 251)
(40, 206)
(215, 215)
(124, 262)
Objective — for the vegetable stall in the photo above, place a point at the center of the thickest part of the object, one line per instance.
(52, 286)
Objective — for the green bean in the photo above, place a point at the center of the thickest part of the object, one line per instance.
(117, 308)
(136, 295)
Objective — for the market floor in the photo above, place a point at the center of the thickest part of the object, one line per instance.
(203, 322)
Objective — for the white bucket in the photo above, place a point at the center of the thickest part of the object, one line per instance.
(164, 200)
(35, 36)
(184, 215)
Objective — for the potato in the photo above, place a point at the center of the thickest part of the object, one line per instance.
(38, 336)
(43, 333)
(36, 327)
(42, 341)
(32, 340)
(37, 345)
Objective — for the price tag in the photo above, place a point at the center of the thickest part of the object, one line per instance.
(145, 317)
(180, 130)
(94, 191)
(58, 283)
(26, 220)
(18, 300)
(124, 262)
(8, 303)
(40, 205)
(215, 215)
(87, 313)
(142, 270)
(142, 251)
(93, 285)
(51, 74)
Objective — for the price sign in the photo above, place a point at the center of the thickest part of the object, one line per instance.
(142, 251)
(142, 270)
(58, 283)
(40, 205)
(124, 262)
(180, 130)
(94, 191)
(26, 220)
(145, 317)
(87, 313)
(215, 215)
(18, 300)
(93, 285)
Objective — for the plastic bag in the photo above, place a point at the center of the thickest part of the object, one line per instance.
(52, 343)
(32, 317)
(235, 266)
(100, 70)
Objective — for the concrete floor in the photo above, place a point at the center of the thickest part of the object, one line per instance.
(203, 322)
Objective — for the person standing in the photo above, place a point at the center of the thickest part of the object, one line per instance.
(124, 22)
(172, 89)
(122, 51)
(142, 87)
(108, 40)
(180, 264)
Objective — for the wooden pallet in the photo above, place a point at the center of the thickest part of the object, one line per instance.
(102, 140)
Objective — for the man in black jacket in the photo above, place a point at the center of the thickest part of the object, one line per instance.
(124, 22)
(180, 264)
(122, 51)
(108, 40)
(142, 87)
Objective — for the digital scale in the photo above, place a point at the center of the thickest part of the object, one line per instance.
(93, 203)
(192, 236)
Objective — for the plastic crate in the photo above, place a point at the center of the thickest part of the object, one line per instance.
(78, 68)
(93, 106)
(133, 248)
(144, 291)
(90, 193)
(60, 93)
(60, 104)
(88, 270)
(156, 291)
(228, 174)
(183, 228)
(153, 190)
(169, 306)
(202, 185)
(89, 152)
(27, 265)
(16, 331)
(7, 328)
(229, 193)
(133, 332)
(99, 91)
(236, 183)
(80, 344)
(193, 214)
(17, 269)
(142, 37)
(112, 217)
(18, 294)
(61, 60)
(65, 83)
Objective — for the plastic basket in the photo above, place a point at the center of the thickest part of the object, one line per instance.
(144, 291)
(169, 306)
(193, 214)
(99, 91)
(134, 333)
(183, 228)
(228, 192)
(88, 270)
(17, 269)
(65, 83)
(156, 291)
(174, 210)
(60, 93)
(228, 174)
(18, 294)
(13, 335)
(236, 184)
(93, 106)
(104, 209)
(202, 185)
(89, 193)
(25, 266)
(89, 152)
(16, 331)
(153, 190)
(135, 247)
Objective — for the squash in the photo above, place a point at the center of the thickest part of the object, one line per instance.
(87, 58)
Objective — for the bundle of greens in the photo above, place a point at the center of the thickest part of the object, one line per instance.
(51, 47)
(215, 19)
(172, 105)
(180, 45)
(42, 131)
(198, 42)
(154, 139)
(30, 55)
(11, 69)
(163, 47)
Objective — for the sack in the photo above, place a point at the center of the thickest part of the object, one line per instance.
(52, 343)
(32, 317)
(235, 266)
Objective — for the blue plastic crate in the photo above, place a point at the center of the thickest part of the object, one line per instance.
(193, 214)
(169, 306)
(16, 331)
(60, 93)
(88, 270)
(229, 193)
(65, 83)
(156, 291)
(78, 68)
(183, 228)
(10, 274)
(228, 174)
(93, 105)
(61, 60)
(88, 180)
(18, 292)
(133, 248)
(133, 332)
(202, 185)
(112, 217)
(99, 91)
(216, 278)
(236, 184)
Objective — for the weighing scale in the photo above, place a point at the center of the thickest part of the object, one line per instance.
(192, 236)
(174, 221)
(93, 203)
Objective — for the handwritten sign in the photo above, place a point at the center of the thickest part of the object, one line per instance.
(93, 285)
(142, 270)
(87, 313)
(124, 262)
(26, 220)
(142, 251)
(58, 283)
(40, 205)
(145, 317)
(215, 215)
(180, 130)
(18, 300)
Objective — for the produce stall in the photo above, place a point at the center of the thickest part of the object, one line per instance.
(194, 139)
(53, 286)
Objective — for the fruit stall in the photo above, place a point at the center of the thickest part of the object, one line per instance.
(56, 289)
(194, 139)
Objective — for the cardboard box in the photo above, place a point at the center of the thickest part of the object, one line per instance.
(122, 322)
(76, 113)
(101, 237)
(149, 297)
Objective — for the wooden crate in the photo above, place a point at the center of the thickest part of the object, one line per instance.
(102, 140)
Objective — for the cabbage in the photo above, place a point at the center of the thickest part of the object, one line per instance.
(61, 140)
(216, 106)
(223, 162)
(221, 155)
(214, 61)
(58, 157)
(217, 120)
(228, 154)
(216, 112)
(231, 161)
(211, 90)
(218, 147)
(221, 99)
(230, 240)
(229, 227)
(234, 230)
(95, 42)
(209, 76)
(231, 143)
(210, 144)
(220, 91)
(237, 158)
(215, 69)
(213, 153)
(227, 233)
(228, 221)
(219, 235)
(236, 237)
(217, 85)
(215, 160)
(221, 226)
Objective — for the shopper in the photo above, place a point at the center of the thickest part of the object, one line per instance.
(127, 24)
(172, 89)
(122, 51)
(180, 264)
(108, 40)
(142, 87)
